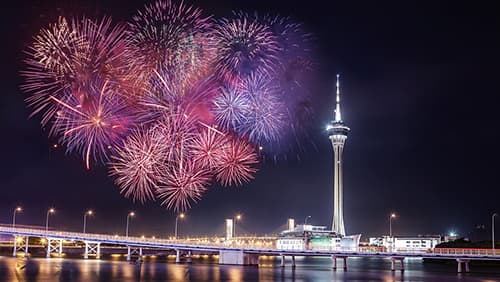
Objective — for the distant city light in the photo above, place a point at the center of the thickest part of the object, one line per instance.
(452, 234)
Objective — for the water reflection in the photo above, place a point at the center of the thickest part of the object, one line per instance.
(152, 269)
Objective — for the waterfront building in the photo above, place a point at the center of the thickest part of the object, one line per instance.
(413, 243)
(310, 237)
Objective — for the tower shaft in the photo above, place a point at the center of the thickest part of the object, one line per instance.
(338, 189)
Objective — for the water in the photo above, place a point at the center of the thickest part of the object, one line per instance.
(308, 269)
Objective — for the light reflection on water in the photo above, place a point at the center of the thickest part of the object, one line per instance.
(308, 269)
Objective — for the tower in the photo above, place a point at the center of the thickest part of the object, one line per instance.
(337, 132)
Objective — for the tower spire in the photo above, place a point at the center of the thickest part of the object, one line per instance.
(338, 116)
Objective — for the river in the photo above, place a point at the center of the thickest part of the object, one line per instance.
(307, 269)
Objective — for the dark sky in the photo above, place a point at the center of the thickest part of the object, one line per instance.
(420, 93)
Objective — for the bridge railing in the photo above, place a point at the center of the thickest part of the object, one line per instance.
(255, 243)
(465, 251)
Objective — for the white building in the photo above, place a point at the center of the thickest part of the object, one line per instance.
(418, 243)
(310, 237)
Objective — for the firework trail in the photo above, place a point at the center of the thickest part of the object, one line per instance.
(91, 121)
(173, 101)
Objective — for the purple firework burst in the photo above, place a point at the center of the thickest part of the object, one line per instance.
(243, 47)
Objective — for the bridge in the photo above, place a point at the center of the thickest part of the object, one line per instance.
(228, 252)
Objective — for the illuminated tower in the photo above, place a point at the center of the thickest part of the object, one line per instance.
(337, 132)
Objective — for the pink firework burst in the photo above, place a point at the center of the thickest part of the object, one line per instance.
(72, 56)
(178, 129)
(183, 184)
(173, 36)
(207, 147)
(137, 165)
(238, 162)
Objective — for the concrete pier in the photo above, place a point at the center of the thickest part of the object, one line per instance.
(237, 257)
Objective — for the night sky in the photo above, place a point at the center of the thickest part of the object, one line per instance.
(419, 91)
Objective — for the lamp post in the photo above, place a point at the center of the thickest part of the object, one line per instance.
(89, 212)
(236, 218)
(181, 215)
(305, 220)
(49, 211)
(16, 210)
(130, 214)
(393, 215)
(493, 230)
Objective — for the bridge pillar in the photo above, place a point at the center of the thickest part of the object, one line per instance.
(189, 256)
(459, 265)
(140, 255)
(177, 256)
(393, 263)
(133, 251)
(20, 245)
(92, 248)
(334, 262)
(14, 251)
(26, 240)
(237, 257)
(293, 261)
(282, 264)
(54, 245)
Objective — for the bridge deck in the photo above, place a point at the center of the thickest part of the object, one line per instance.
(187, 245)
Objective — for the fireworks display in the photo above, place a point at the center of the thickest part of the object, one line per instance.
(172, 102)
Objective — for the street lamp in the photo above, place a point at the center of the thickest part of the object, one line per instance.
(305, 220)
(493, 230)
(49, 211)
(393, 215)
(236, 218)
(130, 214)
(181, 215)
(89, 212)
(16, 210)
